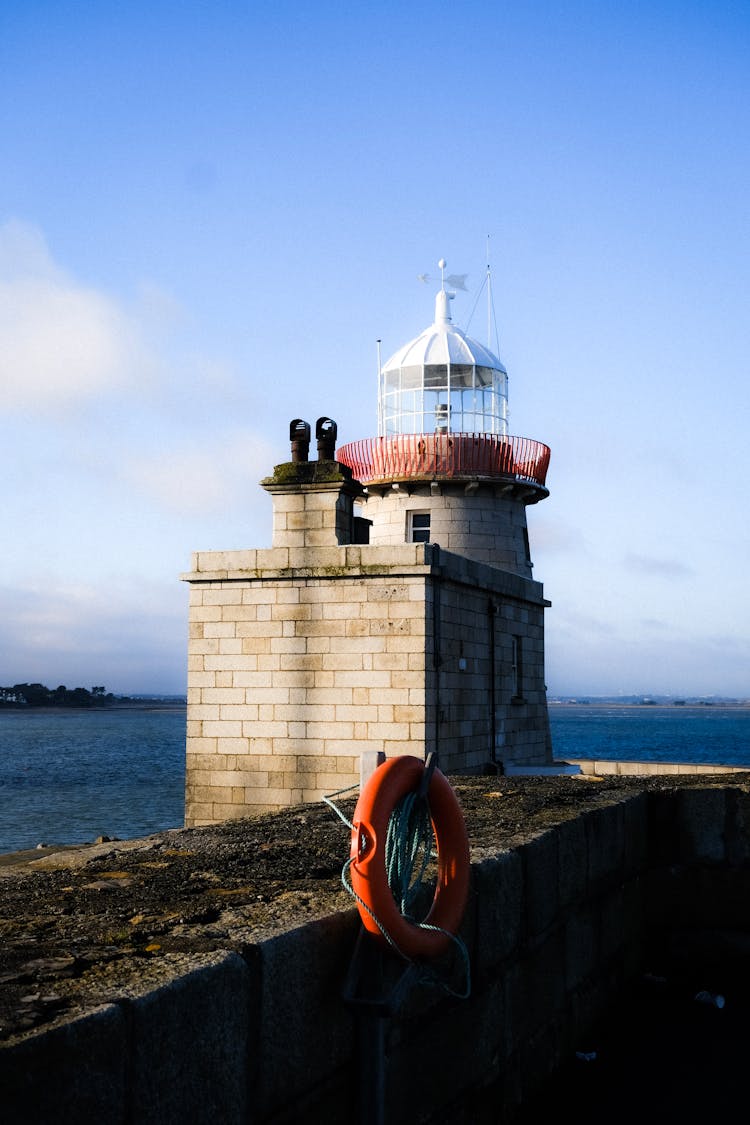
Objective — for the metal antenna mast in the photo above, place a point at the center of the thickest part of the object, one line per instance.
(381, 428)
(489, 298)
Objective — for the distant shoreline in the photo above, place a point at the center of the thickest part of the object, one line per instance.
(705, 705)
(568, 704)
(124, 705)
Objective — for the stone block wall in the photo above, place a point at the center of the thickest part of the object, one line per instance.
(313, 515)
(301, 660)
(483, 521)
(295, 673)
(481, 710)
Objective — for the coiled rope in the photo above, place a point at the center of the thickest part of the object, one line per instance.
(409, 850)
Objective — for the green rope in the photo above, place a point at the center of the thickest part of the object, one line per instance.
(409, 848)
(336, 809)
(409, 835)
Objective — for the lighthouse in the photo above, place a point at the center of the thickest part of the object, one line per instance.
(395, 611)
(443, 468)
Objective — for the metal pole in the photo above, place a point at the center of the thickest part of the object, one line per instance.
(371, 1043)
(489, 299)
(381, 430)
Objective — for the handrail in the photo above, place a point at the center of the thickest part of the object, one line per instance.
(446, 455)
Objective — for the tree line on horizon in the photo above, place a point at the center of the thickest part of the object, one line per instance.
(37, 695)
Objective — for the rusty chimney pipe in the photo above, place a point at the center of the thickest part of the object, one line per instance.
(299, 436)
(325, 432)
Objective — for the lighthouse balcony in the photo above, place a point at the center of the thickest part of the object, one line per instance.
(438, 456)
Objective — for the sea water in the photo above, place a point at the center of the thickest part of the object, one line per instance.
(702, 734)
(69, 776)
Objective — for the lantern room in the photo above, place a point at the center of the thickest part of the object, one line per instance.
(443, 382)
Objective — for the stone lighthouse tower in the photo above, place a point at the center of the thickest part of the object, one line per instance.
(394, 613)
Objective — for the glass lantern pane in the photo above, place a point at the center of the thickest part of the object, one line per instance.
(411, 377)
(436, 375)
(462, 374)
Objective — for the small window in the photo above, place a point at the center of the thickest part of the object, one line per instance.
(517, 669)
(418, 527)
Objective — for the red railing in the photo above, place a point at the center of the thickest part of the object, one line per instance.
(446, 455)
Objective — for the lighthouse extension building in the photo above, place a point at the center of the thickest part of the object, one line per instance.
(395, 612)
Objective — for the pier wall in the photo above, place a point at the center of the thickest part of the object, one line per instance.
(557, 928)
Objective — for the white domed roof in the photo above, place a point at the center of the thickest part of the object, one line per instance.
(443, 343)
(443, 382)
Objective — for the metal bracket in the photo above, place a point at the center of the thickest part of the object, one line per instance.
(376, 981)
(369, 760)
(375, 987)
(429, 769)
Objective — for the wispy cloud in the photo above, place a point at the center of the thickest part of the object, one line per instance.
(114, 389)
(219, 473)
(660, 568)
(60, 341)
(550, 536)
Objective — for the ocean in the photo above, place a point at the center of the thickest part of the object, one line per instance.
(68, 776)
(707, 734)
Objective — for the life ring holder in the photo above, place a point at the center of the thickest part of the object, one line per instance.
(387, 785)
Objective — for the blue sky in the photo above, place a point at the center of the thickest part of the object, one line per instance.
(209, 213)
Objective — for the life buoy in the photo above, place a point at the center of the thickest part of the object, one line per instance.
(387, 785)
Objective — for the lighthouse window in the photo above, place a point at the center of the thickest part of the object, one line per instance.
(418, 527)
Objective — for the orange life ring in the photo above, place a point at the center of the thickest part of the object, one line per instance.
(388, 784)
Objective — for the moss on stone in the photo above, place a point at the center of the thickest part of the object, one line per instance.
(309, 472)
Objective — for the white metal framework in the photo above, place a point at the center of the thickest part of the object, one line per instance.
(443, 382)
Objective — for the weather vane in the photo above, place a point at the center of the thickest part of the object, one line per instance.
(455, 280)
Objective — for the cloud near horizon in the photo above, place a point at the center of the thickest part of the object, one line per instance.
(122, 635)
